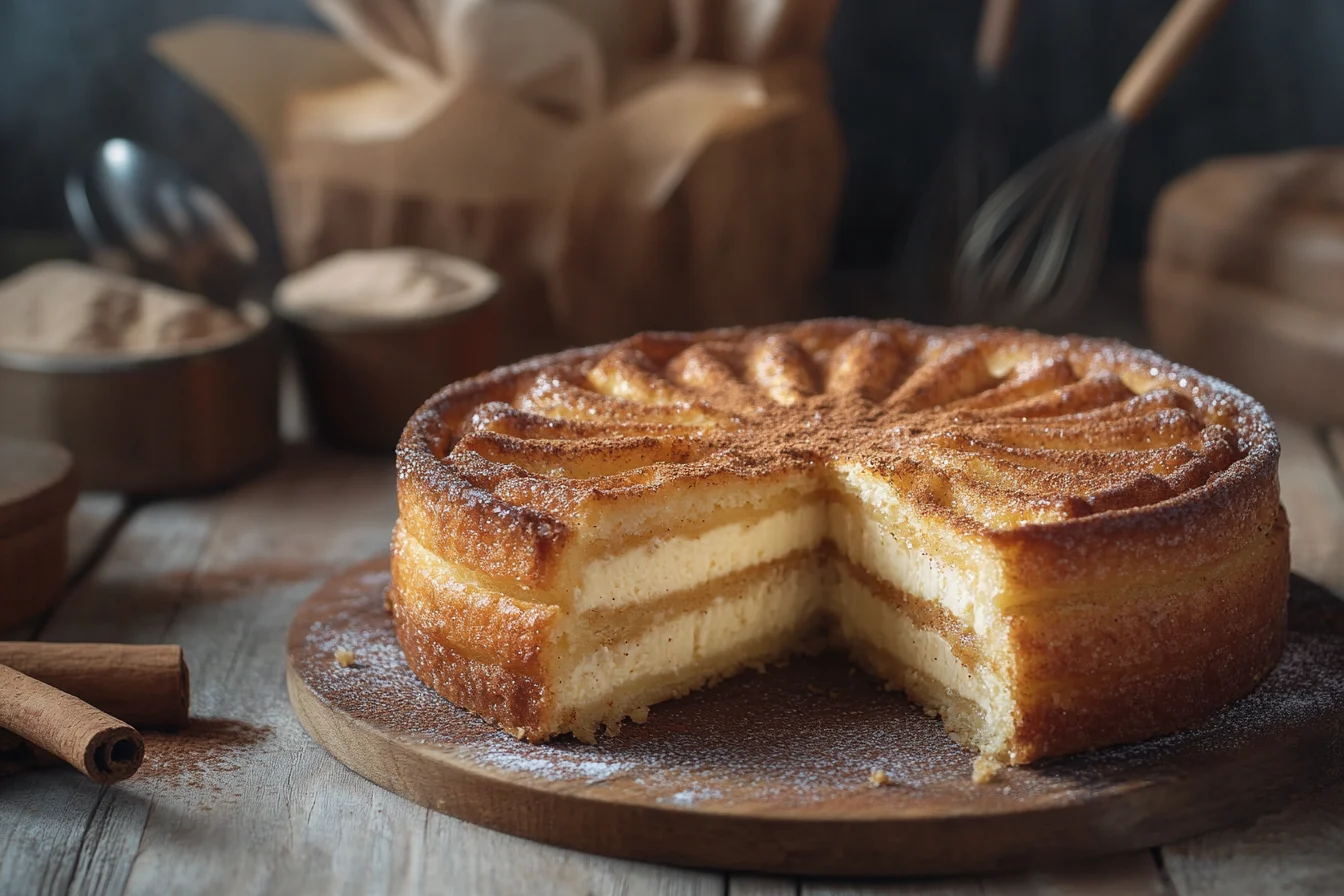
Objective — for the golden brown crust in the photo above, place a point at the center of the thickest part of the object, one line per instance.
(1112, 472)
(1079, 463)
(1103, 672)
(476, 648)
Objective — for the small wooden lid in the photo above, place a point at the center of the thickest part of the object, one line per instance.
(37, 482)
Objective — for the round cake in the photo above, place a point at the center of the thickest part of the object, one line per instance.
(1054, 543)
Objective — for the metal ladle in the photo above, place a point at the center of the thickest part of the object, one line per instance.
(131, 201)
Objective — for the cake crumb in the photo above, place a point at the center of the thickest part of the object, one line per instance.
(345, 657)
(985, 769)
(639, 715)
(878, 778)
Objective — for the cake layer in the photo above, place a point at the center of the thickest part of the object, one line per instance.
(668, 565)
(902, 648)
(906, 554)
(755, 615)
(589, 668)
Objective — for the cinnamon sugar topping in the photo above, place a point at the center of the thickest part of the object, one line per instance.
(1003, 434)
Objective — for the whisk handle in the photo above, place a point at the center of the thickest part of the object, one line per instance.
(1162, 57)
(998, 20)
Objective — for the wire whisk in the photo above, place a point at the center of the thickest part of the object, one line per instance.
(1034, 250)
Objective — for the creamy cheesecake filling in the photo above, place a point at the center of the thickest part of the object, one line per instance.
(669, 565)
(900, 561)
(897, 553)
(664, 615)
(875, 526)
(781, 599)
(763, 613)
(601, 625)
(898, 644)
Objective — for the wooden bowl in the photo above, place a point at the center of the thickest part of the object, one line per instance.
(364, 376)
(153, 424)
(37, 490)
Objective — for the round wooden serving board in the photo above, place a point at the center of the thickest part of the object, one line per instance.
(770, 771)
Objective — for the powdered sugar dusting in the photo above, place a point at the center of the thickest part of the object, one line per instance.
(811, 733)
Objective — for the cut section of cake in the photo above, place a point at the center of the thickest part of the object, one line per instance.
(1054, 543)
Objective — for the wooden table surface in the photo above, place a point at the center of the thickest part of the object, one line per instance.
(267, 811)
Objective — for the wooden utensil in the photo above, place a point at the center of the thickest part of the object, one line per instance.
(1034, 249)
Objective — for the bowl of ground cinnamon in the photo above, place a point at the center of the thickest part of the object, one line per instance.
(154, 391)
(376, 332)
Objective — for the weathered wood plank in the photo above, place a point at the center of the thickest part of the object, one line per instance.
(257, 807)
(1311, 495)
(751, 885)
(482, 861)
(1299, 850)
(54, 822)
(129, 597)
(93, 521)
(110, 842)
(44, 825)
(1127, 874)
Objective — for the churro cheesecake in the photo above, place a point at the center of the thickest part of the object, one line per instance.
(1054, 543)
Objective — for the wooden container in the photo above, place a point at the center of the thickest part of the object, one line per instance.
(1245, 277)
(37, 490)
(157, 424)
(364, 376)
(1289, 355)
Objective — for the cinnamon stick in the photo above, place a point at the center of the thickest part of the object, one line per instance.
(102, 747)
(145, 685)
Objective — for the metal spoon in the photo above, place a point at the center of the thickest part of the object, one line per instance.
(177, 230)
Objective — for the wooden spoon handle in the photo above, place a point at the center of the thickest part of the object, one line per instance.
(1162, 57)
(998, 20)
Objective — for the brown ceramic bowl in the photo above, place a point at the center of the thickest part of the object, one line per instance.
(166, 423)
(364, 375)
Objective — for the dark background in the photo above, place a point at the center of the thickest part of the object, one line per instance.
(73, 72)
